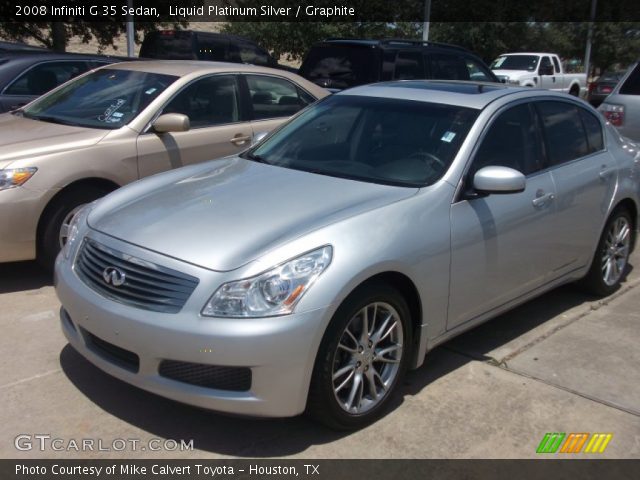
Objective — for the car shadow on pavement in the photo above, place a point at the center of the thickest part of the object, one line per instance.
(18, 276)
(258, 438)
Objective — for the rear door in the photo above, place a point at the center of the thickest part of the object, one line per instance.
(585, 176)
(218, 127)
(272, 100)
(502, 245)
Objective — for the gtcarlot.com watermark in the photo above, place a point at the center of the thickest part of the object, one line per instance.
(44, 442)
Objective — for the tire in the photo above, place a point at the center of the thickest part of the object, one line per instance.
(379, 360)
(61, 211)
(575, 91)
(610, 261)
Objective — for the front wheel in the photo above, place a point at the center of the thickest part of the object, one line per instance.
(56, 219)
(362, 358)
(610, 261)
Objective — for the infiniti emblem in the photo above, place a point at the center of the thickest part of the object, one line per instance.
(113, 276)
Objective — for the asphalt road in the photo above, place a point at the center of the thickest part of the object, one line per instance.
(562, 363)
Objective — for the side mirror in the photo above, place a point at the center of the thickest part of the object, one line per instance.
(171, 122)
(499, 180)
(546, 70)
(257, 138)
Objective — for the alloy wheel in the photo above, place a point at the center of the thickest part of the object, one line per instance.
(367, 359)
(616, 251)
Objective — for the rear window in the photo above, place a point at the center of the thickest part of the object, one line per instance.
(515, 62)
(336, 66)
(631, 85)
(175, 45)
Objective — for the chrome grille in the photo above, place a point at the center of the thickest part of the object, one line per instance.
(146, 285)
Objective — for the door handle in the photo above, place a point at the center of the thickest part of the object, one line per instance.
(542, 198)
(605, 172)
(239, 139)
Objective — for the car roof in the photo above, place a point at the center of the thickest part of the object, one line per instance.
(182, 68)
(469, 94)
(392, 43)
(35, 57)
(525, 53)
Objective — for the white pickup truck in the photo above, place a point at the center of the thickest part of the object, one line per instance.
(538, 70)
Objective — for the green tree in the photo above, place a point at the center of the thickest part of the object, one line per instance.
(56, 35)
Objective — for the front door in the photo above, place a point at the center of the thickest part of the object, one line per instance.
(501, 244)
(217, 127)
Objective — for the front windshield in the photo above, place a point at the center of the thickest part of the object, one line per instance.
(379, 140)
(516, 62)
(106, 98)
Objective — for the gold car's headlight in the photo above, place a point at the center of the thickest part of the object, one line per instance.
(14, 177)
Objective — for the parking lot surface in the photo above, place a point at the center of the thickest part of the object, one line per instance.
(562, 363)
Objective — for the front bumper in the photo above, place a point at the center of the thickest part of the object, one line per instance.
(279, 351)
(20, 210)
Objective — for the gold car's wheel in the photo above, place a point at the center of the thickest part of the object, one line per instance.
(53, 226)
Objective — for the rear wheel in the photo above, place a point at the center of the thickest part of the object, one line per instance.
(54, 225)
(362, 358)
(575, 91)
(610, 261)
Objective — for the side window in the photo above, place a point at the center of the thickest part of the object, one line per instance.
(212, 48)
(46, 76)
(248, 53)
(563, 130)
(477, 71)
(273, 97)
(556, 64)
(544, 64)
(594, 131)
(631, 85)
(511, 141)
(448, 67)
(409, 65)
(207, 102)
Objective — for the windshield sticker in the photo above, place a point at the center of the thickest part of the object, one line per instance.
(499, 62)
(111, 109)
(150, 91)
(448, 137)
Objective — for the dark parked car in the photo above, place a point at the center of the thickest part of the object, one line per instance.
(603, 86)
(217, 47)
(342, 63)
(19, 47)
(24, 76)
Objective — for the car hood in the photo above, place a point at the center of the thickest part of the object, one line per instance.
(232, 211)
(25, 138)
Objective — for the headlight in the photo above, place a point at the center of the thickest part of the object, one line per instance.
(274, 292)
(77, 222)
(14, 177)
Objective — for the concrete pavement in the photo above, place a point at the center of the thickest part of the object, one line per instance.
(561, 363)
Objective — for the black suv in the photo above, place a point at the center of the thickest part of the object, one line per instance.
(216, 47)
(340, 63)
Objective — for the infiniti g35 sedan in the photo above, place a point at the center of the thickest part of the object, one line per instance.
(121, 123)
(309, 272)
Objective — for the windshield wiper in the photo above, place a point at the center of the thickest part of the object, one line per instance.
(52, 119)
(256, 158)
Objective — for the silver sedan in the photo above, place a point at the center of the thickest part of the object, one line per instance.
(309, 272)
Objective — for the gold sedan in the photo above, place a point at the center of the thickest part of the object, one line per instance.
(123, 122)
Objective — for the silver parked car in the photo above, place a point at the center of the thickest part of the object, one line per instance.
(312, 270)
(622, 106)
